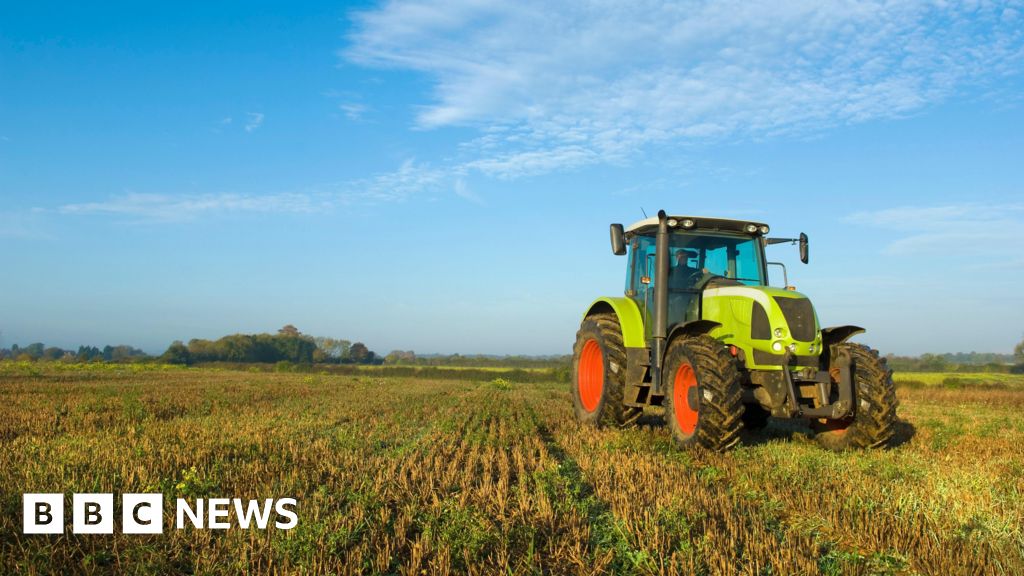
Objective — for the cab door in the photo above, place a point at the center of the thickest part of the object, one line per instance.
(640, 278)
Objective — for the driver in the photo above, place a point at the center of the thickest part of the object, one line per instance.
(683, 275)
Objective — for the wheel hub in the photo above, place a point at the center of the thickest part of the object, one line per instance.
(590, 375)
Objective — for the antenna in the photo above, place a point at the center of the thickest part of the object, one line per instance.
(642, 212)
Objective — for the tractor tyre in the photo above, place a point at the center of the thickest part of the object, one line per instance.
(873, 423)
(755, 417)
(703, 395)
(599, 372)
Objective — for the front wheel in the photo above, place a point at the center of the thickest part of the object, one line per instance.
(873, 423)
(703, 396)
(599, 372)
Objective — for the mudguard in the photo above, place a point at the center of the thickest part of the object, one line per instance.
(629, 318)
(693, 328)
(838, 334)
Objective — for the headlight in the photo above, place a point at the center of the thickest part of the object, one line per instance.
(791, 347)
(777, 346)
(688, 223)
(810, 349)
(672, 222)
(779, 332)
(751, 228)
(764, 229)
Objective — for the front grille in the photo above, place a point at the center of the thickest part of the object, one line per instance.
(799, 316)
(768, 359)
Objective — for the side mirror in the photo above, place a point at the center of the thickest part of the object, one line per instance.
(803, 248)
(618, 240)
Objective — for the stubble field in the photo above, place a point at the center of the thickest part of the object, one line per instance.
(421, 476)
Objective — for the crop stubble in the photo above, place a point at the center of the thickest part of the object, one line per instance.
(411, 476)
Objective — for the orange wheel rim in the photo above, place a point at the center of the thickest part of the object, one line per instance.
(590, 375)
(686, 416)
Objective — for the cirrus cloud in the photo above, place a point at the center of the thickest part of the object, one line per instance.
(558, 85)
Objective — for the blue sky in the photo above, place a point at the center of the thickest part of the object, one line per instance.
(440, 176)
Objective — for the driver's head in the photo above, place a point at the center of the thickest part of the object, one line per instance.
(683, 257)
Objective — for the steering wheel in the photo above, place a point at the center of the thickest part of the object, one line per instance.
(703, 277)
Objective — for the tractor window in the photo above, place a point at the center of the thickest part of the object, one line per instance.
(735, 257)
(640, 275)
(716, 260)
(748, 266)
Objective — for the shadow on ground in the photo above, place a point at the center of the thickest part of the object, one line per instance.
(783, 429)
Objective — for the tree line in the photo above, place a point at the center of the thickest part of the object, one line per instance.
(960, 362)
(39, 351)
(288, 345)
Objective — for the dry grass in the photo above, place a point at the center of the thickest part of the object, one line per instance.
(413, 476)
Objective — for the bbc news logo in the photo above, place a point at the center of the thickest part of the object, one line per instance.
(144, 513)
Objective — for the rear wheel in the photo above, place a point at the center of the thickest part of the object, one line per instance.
(703, 398)
(599, 370)
(873, 423)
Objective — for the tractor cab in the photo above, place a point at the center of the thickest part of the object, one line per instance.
(704, 252)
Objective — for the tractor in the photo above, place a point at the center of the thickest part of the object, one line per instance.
(701, 337)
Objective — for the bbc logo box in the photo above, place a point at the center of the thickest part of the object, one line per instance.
(144, 513)
(92, 513)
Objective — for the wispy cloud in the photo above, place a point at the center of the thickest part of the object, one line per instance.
(992, 230)
(569, 84)
(462, 190)
(408, 180)
(253, 121)
(352, 110)
(171, 208)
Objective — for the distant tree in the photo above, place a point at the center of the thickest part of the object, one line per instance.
(1018, 355)
(400, 357)
(88, 353)
(298, 349)
(53, 353)
(177, 353)
(331, 349)
(34, 350)
(359, 353)
(289, 330)
(933, 363)
(122, 353)
(200, 350)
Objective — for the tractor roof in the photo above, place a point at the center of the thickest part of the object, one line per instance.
(650, 225)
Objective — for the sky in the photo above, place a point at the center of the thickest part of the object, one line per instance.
(440, 176)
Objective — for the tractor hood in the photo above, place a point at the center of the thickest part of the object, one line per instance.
(764, 322)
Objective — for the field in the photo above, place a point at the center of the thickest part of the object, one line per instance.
(422, 476)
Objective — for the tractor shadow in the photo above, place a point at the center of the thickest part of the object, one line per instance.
(905, 432)
(782, 429)
(777, 429)
(788, 430)
(572, 475)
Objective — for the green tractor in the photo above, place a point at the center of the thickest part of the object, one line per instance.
(700, 334)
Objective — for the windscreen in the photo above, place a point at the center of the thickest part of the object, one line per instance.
(694, 259)
(731, 256)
